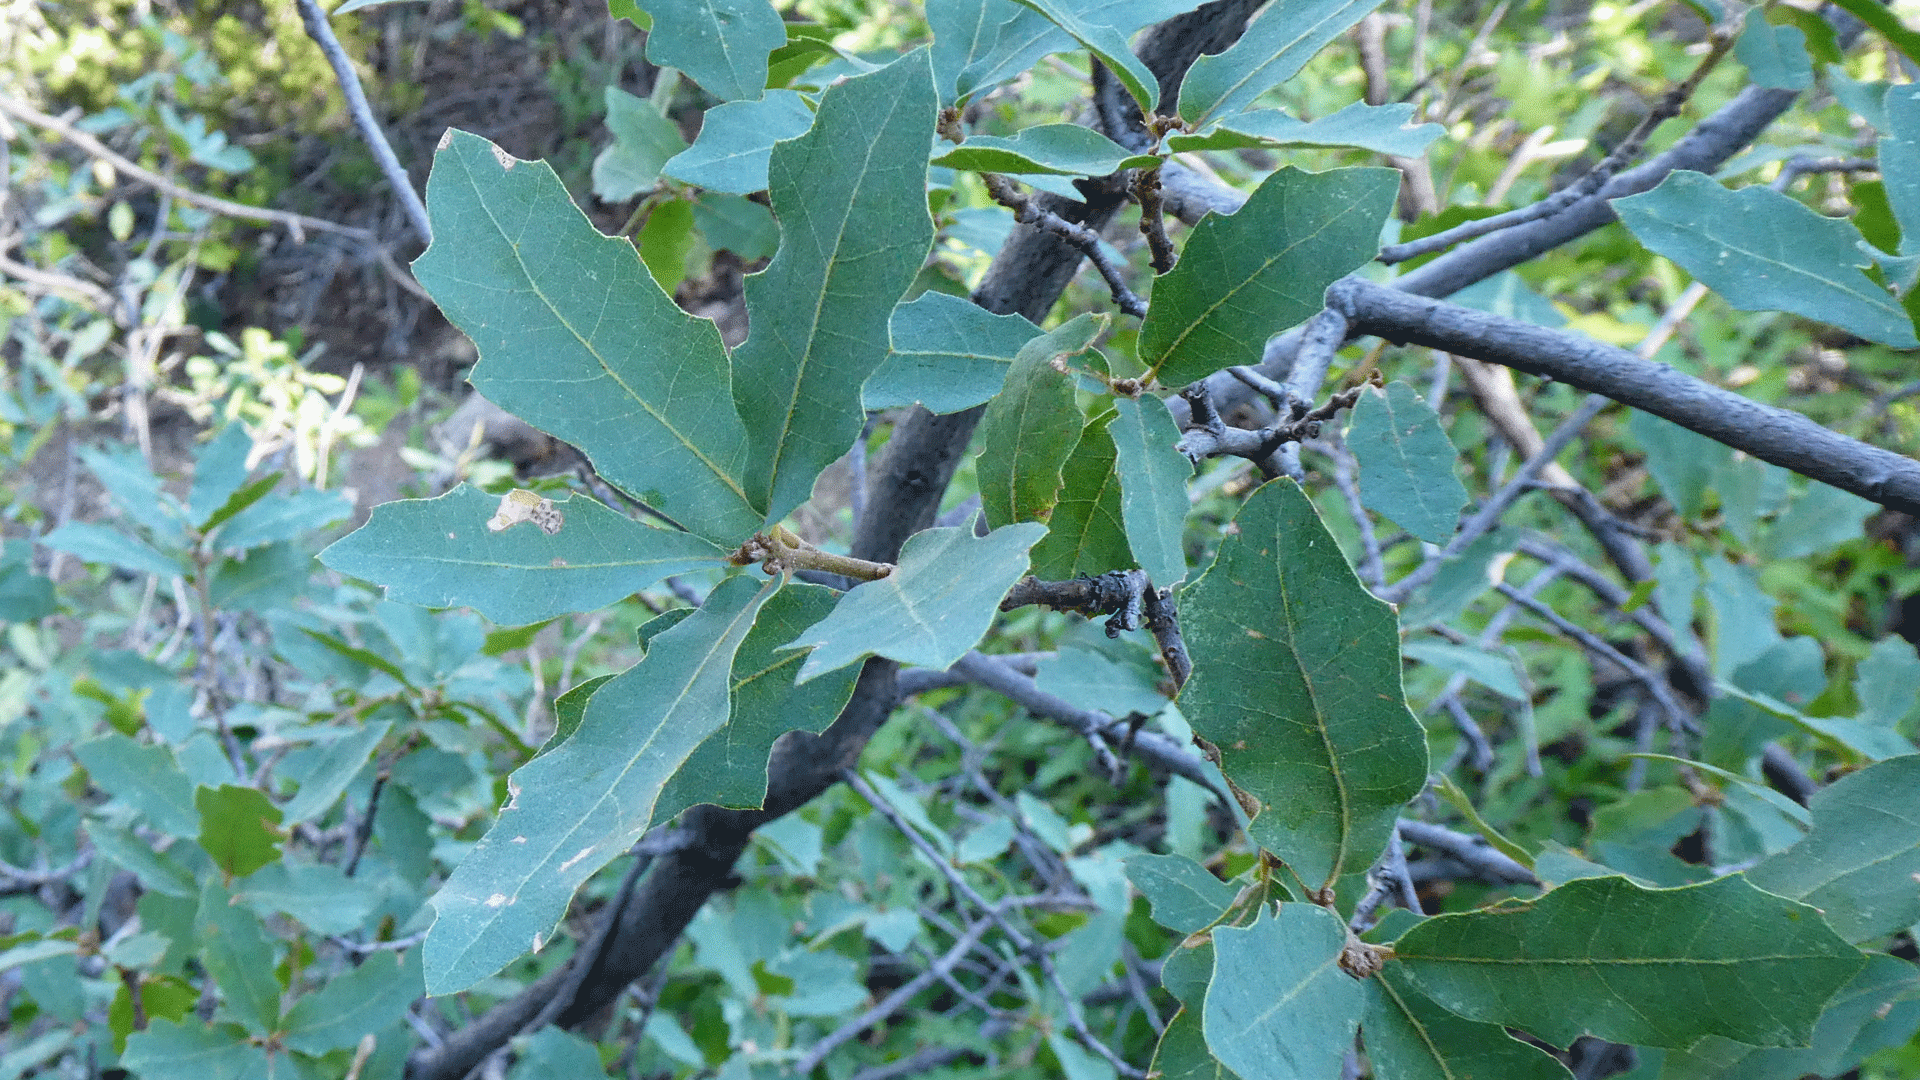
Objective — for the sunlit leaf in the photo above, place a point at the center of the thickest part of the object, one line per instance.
(1383, 129)
(1275, 47)
(720, 44)
(1057, 149)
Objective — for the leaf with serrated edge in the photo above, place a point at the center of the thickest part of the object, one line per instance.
(577, 340)
(1250, 275)
(439, 553)
(1408, 1037)
(1153, 486)
(1383, 129)
(1044, 149)
(1274, 49)
(730, 767)
(1776, 56)
(1086, 535)
(819, 311)
(1029, 429)
(948, 354)
(1279, 1006)
(720, 44)
(578, 806)
(1406, 462)
(1652, 967)
(1860, 862)
(736, 139)
(1765, 251)
(937, 603)
(1296, 679)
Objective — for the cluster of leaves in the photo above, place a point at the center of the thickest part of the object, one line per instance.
(291, 847)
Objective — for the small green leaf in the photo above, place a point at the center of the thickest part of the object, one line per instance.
(1406, 462)
(1900, 160)
(738, 224)
(1099, 680)
(1884, 684)
(643, 140)
(1408, 1037)
(1275, 47)
(1186, 897)
(441, 553)
(1086, 535)
(316, 895)
(339, 762)
(1887, 24)
(736, 139)
(819, 311)
(1279, 1006)
(1028, 430)
(99, 544)
(1821, 518)
(948, 354)
(1322, 737)
(236, 953)
(366, 998)
(579, 805)
(1044, 149)
(1652, 967)
(24, 595)
(1867, 740)
(274, 518)
(219, 471)
(1764, 251)
(1084, 21)
(1250, 275)
(1490, 670)
(1153, 486)
(1682, 462)
(720, 44)
(576, 339)
(1858, 864)
(937, 603)
(1776, 56)
(1182, 1053)
(191, 1050)
(136, 491)
(1383, 129)
(730, 767)
(979, 44)
(146, 778)
(238, 828)
(157, 872)
(664, 242)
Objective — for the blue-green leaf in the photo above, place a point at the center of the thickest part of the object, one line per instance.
(1408, 1037)
(237, 955)
(1857, 864)
(948, 354)
(579, 805)
(1030, 427)
(1406, 462)
(1279, 1006)
(366, 998)
(720, 44)
(441, 553)
(1764, 251)
(576, 339)
(1084, 21)
(1086, 534)
(1900, 161)
(146, 778)
(1775, 56)
(1278, 44)
(338, 763)
(100, 544)
(819, 312)
(937, 603)
(1045, 149)
(1383, 129)
(1250, 275)
(219, 470)
(643, 140)
(736, 140)
(978, 44)
(191, 1050)
(1153, 486)
(1186, 897)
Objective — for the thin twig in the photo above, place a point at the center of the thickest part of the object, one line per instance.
(1027, 211)
(321, 32)
(1153, 220)
(894, 1001)
(1471, 851)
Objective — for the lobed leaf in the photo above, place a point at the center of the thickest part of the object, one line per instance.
(947, 354)
(1296, 679)
(1408, 1037)
(1185, 895)
(852, 203)
(643, 140)
(1250, 275)
(736, 141)
(1279, 1006)
(1085, 23)
(579, 805)
(365, 998)
(1652, 967)
(720, 44)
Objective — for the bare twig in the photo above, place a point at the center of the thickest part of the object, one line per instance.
(1027, 211)
(1470, 851)
(896, 1000)
(1153, 222)
(321, 32)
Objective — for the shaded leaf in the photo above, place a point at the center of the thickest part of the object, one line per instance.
(1884, 985)
(1859, 861)
(1030, 427)
(237, 828)
(576, 339)
(1185, 895)
(365, 998)
(136, 491)
(1275, 47)
(1153, 486)
(191, 1050)
(1086, 534)
(273, 519)
(1182, 1053)
(737, 224)
(643, 140)
(338, 763)
(819, 311)
(1099, 681)
(99, 544)
(157, 872)
(1764, 251)
(978, 44)
(720, 44)
(1085, 23)
(1884, 683)
(440, 553)
(1383, 129)
(1279, 1006)
(1296, 680)
(219, 471)
(1408, 1037)
(236, 953)
(1819, 519)
(730, 767)
(1493, 671)
(937, 603)
(581, 804)
(1406, 462)
(1900, 160)
(1055, 149)
(316, 895)
(947, 354)
(146, 778)
(24, 595)
(1652, 967)
(1867, 740)
(736, 139)
(1250, 275)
